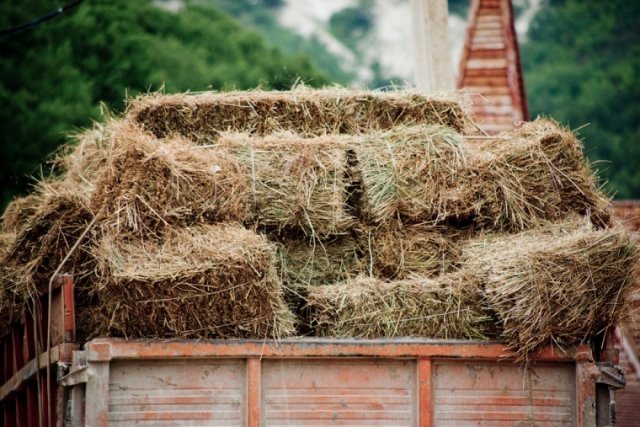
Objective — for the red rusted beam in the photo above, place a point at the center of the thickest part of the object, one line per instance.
(253, 392)
(425, 392)
(586, 375)
(105, 349)
(68, 310)
(61, 353)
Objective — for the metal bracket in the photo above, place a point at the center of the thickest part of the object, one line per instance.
(611, 376)
(76, 376)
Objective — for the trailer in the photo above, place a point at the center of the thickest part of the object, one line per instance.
(291, 382)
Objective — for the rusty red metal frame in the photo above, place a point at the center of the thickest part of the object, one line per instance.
(106, 349)
(21, 401)
(100, 352)
(24, 395)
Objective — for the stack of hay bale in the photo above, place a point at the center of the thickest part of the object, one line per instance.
(331, 213)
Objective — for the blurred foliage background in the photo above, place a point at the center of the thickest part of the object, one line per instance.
(581, 61)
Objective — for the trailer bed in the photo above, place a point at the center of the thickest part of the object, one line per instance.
(313, 382)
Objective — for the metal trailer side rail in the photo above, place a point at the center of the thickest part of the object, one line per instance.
(92, 369)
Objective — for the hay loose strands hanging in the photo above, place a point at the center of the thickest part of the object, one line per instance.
(214, 281)
(559, 285)
(445, 307)
(309, 112)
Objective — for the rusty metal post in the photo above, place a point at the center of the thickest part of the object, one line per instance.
(253, 392)
(425, 392)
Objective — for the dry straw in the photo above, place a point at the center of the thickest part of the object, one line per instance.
(304, 263)
(38, 250)
(294, 184)
(314, 262)
(399, 251)
(148, 185)
(532, 175)
(85, 159)
(535, 174)
(445, 307)
(411, 174)
(200, 117)
(45, 241)
(560, 284)
(10, 309)
(215, 281)
(19, 211)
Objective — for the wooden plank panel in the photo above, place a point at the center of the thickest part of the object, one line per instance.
(354, 392)
(145, 392)
(466, 393)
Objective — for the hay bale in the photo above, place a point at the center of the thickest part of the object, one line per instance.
(537, 173)
(200, 117)
(398, 251)
(12, 306)
(42, 245)
(6, 242)
(215, 281)
(514, 182)
(558, 285)
(313, 262)
(10, 309)
(304, 263)
(411, 174)
(294, 183)
(18, 212)
(445, 307)
(83, 161)
(148, 185)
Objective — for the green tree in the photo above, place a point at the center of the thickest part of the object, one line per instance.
(55, 75)
(581, 62)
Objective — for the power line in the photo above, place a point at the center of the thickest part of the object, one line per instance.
(31, 24)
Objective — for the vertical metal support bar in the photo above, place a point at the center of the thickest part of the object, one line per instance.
(16, 338)
(21, 409)
(58, 399)
(32, 404)
(44, 397)
(97, 395)
(254, 392)
(68, 305)
(9, 412)
(425, 392)
(28, 343)
(7, 358)
(78, 405)
(586, 374)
